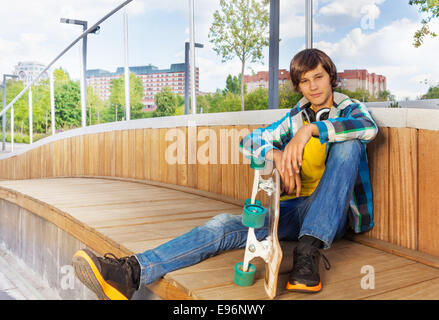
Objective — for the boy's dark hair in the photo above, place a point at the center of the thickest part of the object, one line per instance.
(309, 59)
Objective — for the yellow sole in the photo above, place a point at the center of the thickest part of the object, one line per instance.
(89, 274)
(299, 287)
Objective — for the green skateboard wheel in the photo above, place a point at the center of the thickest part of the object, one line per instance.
(244, 279)
(257, 164)
(249, 201)
(253, 216)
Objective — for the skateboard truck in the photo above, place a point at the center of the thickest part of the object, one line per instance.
(254, 217)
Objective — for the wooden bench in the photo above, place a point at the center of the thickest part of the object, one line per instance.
(139, 153)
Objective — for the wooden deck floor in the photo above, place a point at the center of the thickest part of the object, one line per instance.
(132, 217)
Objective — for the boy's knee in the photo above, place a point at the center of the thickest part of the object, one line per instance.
(347, 149)
(220, 221)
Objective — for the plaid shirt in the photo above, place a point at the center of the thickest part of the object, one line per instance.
(348, 120)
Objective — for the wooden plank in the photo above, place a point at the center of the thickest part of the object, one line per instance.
(125, 154)
(147, 153)
(118, 153)
(171, 155)
(155, 155)
(241, 168)
(203, 158)
(425, 290)
(215, 181)
(110, 154)
(80, 148)
(378, 156)
(162, 165)
(403, 196)
(227, 169)
(139, 154)
(346, 263)
(182, 157)
(67, 157)
(131, 153)
(191, 143)
(428, 191)
(101, 159)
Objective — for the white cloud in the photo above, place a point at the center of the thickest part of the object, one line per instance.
(389, 51)
(356, 9)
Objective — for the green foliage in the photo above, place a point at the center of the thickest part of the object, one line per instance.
(394, 104)
(431, 7)
(233, 84)
(116, 109)
(239, 30)
(432, 93)
(67, 104)
(166, 103)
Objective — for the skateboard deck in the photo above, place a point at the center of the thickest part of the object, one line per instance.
(256, 216)
(275, 256)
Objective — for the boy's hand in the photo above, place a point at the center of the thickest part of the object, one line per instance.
(293, 153)
(288, 182)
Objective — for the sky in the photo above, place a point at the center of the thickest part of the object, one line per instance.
(376, 35)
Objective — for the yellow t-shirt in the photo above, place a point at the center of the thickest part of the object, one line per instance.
(313, 166)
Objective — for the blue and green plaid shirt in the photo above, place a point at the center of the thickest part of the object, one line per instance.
(348, 119)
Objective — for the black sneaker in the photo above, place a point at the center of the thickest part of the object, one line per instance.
(109, 277)
(305, 275)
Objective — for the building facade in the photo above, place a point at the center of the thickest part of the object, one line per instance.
(361, 79)
(27, 71)
(260, 79)
(153, 80)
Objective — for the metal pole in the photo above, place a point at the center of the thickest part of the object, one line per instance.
(192, 56)
(92, 28)
(186, 74)
(12, 128)
(4, 115)
(308, 14)
(273, 68)
(127, 71)
(30, 117)
(84, 80)
(52, 101)
(186, 78)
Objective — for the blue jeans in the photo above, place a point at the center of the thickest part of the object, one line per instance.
(322, 215)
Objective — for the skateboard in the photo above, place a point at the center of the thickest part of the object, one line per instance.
(256, 216)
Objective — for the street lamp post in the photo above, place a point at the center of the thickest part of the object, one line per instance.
(186, 74)
(4, 106)
(84, 25)
(308, 28)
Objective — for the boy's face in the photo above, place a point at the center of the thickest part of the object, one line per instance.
(315, 85)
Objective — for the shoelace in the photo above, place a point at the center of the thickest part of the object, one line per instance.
(305, 262)
(110, 257)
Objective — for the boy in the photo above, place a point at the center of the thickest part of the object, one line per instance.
(318, 148)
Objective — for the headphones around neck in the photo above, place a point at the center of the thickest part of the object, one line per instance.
(312, 116)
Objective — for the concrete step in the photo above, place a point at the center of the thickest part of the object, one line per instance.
(19, 282)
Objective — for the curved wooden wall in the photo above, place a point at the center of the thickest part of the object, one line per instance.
(403, 160)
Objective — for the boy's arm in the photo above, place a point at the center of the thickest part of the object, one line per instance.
(258, 143)
(355, 122)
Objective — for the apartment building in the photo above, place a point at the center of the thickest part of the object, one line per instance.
(153, 80)
(361, 79)
(260, 79)
(27, 71)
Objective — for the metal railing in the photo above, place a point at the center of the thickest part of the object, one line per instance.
(46, 69)
(83, 86)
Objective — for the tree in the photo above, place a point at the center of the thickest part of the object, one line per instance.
(117, 98)
(432, 93)
(431, 7)
(166, 103)
(240, 30)
(233, 84)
